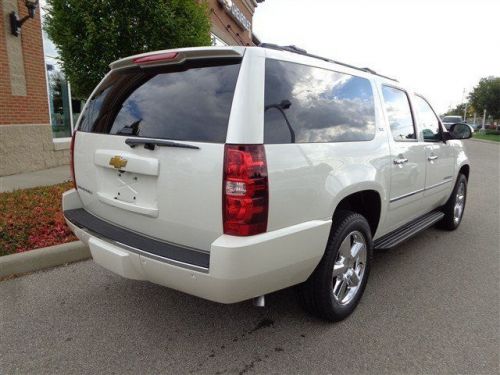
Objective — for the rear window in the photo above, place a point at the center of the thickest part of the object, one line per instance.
(190, 101)
(305, 104)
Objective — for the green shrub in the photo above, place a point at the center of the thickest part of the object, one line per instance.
(91, 34)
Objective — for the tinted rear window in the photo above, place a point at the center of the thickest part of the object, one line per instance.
(316, 105)
(191, 101)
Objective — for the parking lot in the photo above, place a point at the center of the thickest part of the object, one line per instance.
(431, 306)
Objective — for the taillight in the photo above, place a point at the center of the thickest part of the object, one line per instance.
(72, 158)
(245, 190)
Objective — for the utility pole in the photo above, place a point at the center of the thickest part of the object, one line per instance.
(465, 110)
(484, 119)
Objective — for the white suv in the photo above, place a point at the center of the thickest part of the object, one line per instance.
(229, 173)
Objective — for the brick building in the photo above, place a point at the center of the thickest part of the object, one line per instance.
(232, 21)
(25, 132)
(34, 132)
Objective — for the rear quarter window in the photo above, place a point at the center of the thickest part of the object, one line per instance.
(306, 104)
(190, 101)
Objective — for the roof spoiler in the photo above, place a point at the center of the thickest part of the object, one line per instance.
(176, 56)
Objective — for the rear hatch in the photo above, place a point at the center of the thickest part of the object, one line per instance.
(149, 148)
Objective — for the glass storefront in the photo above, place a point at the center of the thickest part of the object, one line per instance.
(64, 109)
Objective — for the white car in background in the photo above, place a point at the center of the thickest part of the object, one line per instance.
(450, 120)
(230, 172)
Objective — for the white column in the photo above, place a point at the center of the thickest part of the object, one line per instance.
(70, 108)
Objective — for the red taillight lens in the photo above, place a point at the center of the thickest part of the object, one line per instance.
(245, 190)
(72, 158)
(156, 57)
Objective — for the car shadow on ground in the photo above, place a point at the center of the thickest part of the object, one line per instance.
(165, 308)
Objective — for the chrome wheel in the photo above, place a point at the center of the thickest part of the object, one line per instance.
(458, 210)
(349, 268)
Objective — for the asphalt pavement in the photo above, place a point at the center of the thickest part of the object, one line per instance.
(431, 307)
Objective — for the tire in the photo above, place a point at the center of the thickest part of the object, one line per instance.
(451, 209)
(333, 297)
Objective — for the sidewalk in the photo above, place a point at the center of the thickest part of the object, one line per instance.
(44, 177)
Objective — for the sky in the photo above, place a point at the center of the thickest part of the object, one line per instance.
(437, 48)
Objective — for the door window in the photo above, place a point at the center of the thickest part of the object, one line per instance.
(427, 120)
(399, 114)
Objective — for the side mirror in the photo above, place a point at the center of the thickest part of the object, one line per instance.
(460, 131)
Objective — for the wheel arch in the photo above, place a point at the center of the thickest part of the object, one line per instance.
(465, 170)
(366, 202)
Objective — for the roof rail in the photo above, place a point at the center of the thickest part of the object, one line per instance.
(300, 51)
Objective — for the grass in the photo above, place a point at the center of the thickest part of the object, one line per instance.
(489, 136)
(33, 218)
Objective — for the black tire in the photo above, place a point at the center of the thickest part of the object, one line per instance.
(316, 294)
(448, 222)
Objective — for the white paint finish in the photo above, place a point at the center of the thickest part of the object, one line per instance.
(135, 163)
(187, 193)
(440, 158)
(263, 253)
(241, 269)
(113, 258)
(129, 206)
(307, 181)
(406, 179)
(71, 200)
(246, 122)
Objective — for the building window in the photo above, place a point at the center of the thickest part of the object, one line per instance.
(216, 41)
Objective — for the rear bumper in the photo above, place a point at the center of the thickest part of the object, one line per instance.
(235, 269)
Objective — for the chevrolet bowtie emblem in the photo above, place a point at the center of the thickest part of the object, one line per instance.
(118, 162)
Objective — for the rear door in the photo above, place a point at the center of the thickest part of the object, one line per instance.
(150, 145)
(408, 159)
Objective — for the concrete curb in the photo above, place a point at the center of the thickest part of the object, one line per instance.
(40, 259)
(484, 141)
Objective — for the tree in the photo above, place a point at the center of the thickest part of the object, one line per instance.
(486, 95)
(89, 35)
(459, 110)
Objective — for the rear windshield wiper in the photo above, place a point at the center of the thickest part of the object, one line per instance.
(151, 143)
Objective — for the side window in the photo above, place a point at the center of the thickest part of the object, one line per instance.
(304, 104)
(427, 120)
(399, 114)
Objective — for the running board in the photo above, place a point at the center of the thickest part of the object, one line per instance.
(408, 230)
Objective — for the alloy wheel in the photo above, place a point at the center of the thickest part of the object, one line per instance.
(458, 210)
(349, 268)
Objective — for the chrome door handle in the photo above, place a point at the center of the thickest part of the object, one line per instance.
(400, 161)
(432, 157)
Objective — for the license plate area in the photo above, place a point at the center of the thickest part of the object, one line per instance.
(133, 187)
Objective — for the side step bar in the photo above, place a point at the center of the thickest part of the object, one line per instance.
(408, 230)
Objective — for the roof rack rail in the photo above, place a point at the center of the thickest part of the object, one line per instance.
(301, 51)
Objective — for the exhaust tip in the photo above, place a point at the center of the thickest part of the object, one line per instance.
(259, 301)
